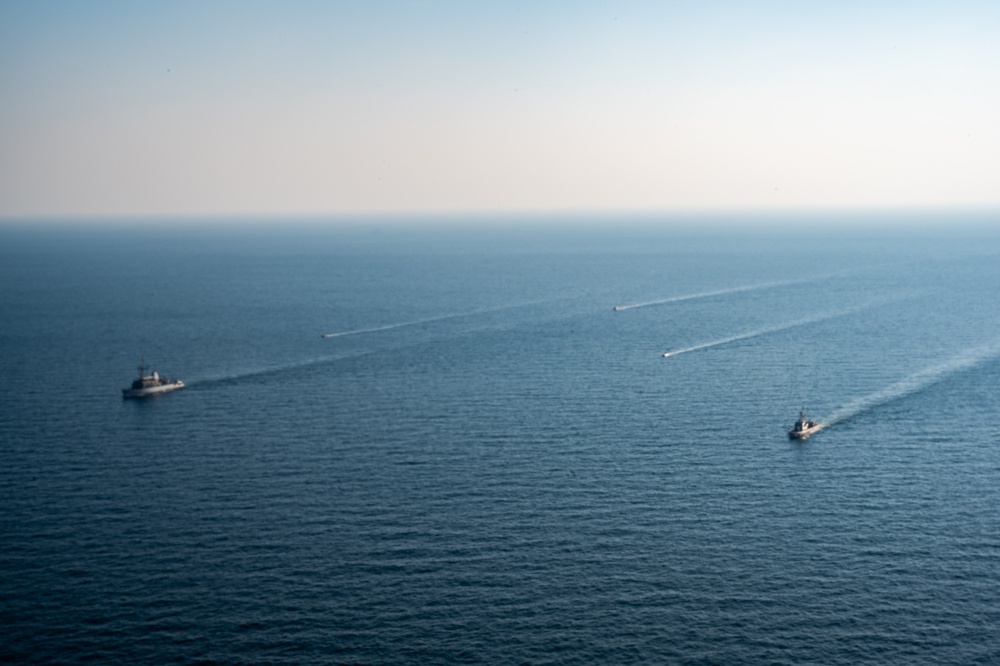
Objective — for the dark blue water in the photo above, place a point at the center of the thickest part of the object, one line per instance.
(486, 463)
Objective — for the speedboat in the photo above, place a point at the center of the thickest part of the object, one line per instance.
(803, 427)
(618, 308)
(666, 354)
(152, 384)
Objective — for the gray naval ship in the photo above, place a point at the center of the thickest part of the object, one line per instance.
(153, 384)
(803, 427)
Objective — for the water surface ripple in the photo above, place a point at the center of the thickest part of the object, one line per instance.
(525, 483)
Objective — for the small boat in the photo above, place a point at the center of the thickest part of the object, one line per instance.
(666, 354)
(803, 427)
(618, 308)
(153, 384)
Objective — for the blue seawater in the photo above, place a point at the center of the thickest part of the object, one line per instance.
(484, 462)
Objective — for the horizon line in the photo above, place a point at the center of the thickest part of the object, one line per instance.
(449, 215)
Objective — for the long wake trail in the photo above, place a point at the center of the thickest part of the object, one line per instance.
(333, 358)
(429, 320)
(724, 292)
(277, 369)
(389, 327)
(770, 329)
(706, 294)
(964, 360)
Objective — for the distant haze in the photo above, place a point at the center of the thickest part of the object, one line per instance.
(249, 108)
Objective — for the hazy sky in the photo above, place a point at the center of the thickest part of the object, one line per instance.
(218, 107)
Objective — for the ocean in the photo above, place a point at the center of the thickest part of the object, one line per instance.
(459, 442)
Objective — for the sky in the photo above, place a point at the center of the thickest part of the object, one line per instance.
(220, 107)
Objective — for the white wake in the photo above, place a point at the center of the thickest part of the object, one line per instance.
(962, 361)
(731, 290)
(773, 329)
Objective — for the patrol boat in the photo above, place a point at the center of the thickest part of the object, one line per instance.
(153, 384)
(803, 427)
